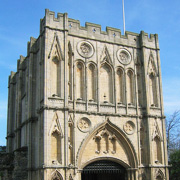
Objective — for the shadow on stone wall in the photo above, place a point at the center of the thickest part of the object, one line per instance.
(13, 166)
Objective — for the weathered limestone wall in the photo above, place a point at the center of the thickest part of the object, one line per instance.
(82, 95)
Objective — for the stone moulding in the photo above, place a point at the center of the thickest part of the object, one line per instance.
(73, 26)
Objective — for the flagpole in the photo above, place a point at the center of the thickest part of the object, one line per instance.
(123, 17)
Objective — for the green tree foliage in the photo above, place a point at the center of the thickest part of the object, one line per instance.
(175, 162)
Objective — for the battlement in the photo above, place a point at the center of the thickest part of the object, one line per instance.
(93, 31)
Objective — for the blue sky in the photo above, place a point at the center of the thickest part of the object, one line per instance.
(20, 19)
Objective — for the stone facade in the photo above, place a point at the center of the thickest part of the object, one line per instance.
(83, 95)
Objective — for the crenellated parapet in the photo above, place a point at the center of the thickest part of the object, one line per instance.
(94, 31)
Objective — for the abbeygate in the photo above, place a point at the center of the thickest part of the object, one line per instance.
(86, 104)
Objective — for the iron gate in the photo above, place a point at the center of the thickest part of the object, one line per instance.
(103, 170)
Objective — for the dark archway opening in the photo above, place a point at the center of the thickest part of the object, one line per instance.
(104, 170)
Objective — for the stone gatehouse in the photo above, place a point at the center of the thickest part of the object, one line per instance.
(87, 104)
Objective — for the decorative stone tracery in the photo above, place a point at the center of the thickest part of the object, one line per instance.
(84, 124)
(85, 49)
(124, 56)
(129, 127)
(106, 142)
(56, 175)
(159, 175)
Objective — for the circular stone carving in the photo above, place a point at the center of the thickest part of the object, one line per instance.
(124, 56)
(84, 124)
(129, 127)
(85, 49)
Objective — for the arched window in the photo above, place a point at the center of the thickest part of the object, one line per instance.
(70, 138)
(153, 90)
(106, 84)
(157, 150)
(130, 87)
(80, 83)
(120, 86)
(55, 76)
(56, 147)
(91, 83)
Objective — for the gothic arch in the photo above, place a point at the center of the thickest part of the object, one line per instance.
(106, 82)
(159, 175)
(114, 132)
(80, 80)
(151, 65)
(92, 81)
(152, 74)
(56, 57)
(71, 139)
(56, 126)
(120, 91)
(56, 175)
(105, 56)
(130, 86)
(56, 135)
(157, 147)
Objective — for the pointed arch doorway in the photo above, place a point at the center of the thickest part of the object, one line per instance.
(104, 170)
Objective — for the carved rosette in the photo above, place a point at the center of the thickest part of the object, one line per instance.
(85, 49)
(129, 127)
(84, 124)
(124, 56)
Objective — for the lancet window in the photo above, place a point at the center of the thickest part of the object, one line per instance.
(153, 89)
(152, 73)
(106, 83)
(56, 141)
(80, 81)
(120, 86)
(55, 57)
(157, 150)
(56, 147)
(55, 76)
(70, 139)
(91, 82)
(130, 87)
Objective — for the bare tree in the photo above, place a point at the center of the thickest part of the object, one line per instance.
(173, 131)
